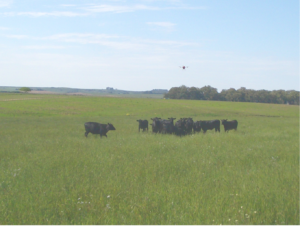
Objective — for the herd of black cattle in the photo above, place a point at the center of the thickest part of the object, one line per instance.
(182, 127)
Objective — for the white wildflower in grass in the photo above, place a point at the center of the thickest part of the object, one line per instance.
(108, 196)
(78, 198)
(107, 206)
(241, 207)
(236, 194)
(254, 212)
(229, 219)
(79, 209)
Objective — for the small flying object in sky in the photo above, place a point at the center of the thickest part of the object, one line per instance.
(183, 67)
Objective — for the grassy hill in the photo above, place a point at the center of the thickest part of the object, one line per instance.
(155, 93)
(51, 174)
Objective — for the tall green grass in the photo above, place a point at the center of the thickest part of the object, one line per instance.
(51, 174)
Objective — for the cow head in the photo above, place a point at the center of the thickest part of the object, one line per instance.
(110, 127)
(189, 120)
(155, 118)
(224, 121)
(179, 123)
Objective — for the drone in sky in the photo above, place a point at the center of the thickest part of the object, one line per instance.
(183, 67)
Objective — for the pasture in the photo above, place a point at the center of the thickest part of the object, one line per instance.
(50, 173)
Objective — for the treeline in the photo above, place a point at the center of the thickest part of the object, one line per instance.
(239, 95)
(156, 91)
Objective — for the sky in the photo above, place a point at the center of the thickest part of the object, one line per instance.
(140, 45)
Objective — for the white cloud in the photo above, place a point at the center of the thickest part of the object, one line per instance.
(40, 47)
(17, 36)
(118, 9)
(40, 14)
(81, 35)
(166, 25)
(67, 5)
(93, 8)
(4, 28)
(124, 8)
(112, 41)
(162, 24)
(169, 42)
(5, 3)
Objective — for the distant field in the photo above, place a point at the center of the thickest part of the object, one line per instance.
(51, 174)
(94, 92)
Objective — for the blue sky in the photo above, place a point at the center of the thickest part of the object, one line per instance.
(140, 44)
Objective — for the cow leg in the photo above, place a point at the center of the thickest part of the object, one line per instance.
(86, 134)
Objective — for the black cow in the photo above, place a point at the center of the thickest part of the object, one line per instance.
(197, 127)
(143, 124)
(167, 126)
(208, 125)
(179, 127)
(156, 125)
(189, 125)
(228, 125)
(97, 128)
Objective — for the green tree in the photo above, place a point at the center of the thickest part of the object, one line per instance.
(210, 93)
(195, 93)
(240, 95)
(25, 89)
(293, 97)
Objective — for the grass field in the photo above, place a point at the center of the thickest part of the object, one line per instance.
(51, 174)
